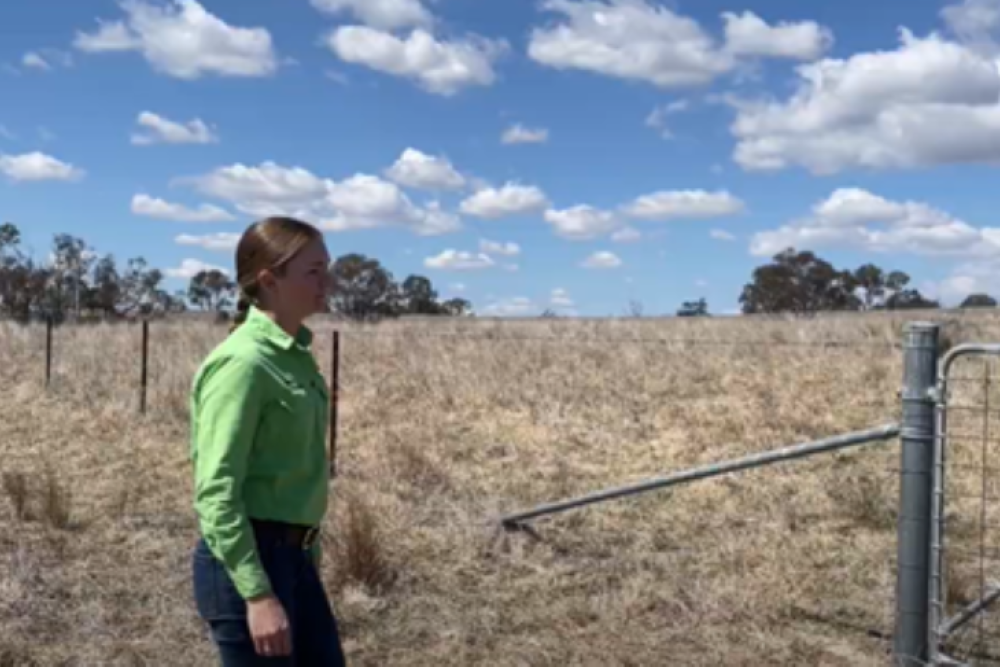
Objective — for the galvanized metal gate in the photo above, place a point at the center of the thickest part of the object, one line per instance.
(964, 586)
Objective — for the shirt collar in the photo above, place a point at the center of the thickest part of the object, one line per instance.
(269, 329)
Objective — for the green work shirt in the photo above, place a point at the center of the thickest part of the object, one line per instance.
(259, 410)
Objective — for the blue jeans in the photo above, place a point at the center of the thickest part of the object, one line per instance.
(296, 583)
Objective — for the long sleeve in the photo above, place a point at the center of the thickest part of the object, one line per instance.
(229, 404)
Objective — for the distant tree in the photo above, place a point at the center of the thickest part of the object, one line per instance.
(419, 297)
(456, 307)
(871, 280)
(800, 283)
(211, 290)
(697, 308)
(979, 301)
(910, 299)
(363, 289)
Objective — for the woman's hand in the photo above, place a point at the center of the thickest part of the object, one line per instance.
(269, 626)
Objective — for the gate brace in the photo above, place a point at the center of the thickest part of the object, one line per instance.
(514, 521)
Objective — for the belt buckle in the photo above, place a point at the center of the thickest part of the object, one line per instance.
(310, 537)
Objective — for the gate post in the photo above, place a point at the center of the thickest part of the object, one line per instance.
(916, 492)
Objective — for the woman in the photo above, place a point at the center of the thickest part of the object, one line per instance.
(258, 418)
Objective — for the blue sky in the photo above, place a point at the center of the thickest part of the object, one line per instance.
(664, 149)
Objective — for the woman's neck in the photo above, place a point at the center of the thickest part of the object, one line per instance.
(288, 323)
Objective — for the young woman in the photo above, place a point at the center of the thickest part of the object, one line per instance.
(258, 425)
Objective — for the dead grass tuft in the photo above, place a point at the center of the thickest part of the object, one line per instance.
(15, 487)
(360, 550)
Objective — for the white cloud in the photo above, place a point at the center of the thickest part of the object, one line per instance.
(517, 306)
(455, 260)
(37, 166)
(975, 23)
(749, 35)
(582, 222)
(519, 134)
(854, 218)
(362, 201)
(509, 200)
(381, 14)
(721, 235)
(602, 260)
(151, 207)
(267, 189)
(626, 235)
(35, 61)
(657, 118)
(414, 169)
(162, 130)
(46, 59)
(928, 102)
(560, 298)
(679, 204)
(183, 40)
(189, 268)
(639, 41)
(439, 67)
(496, 248)
(457, 287)
(222, 241)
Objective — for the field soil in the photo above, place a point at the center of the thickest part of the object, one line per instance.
(445, 426)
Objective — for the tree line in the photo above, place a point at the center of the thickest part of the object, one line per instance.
(799, 282)
(76, 281)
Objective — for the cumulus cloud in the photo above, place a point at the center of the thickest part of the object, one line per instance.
(361, 201)
(509, 200)
(161, 130)
(220, 242)
(749, 35)
(508, 249)
(189, 268)
(415, 169)
(639, 41)
(36, 166)
(380, 14)
(626, 235)
(459, 260)
(182, 39)
(518, 306)
(683, 204)
(602, 259)
(855, 218)
(441, 67)
(582, 222)
(152, 207)
(560, 298)
(519, 134)
(928, 102)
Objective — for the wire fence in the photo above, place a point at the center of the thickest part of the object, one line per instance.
(509, 420)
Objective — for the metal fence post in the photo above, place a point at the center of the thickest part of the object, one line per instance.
(48, 351)
(916, 488)
(144, 371)
(334, 399)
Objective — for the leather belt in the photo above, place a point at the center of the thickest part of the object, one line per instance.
(288, 534)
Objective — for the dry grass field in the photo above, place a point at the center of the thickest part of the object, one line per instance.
(444, 426)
